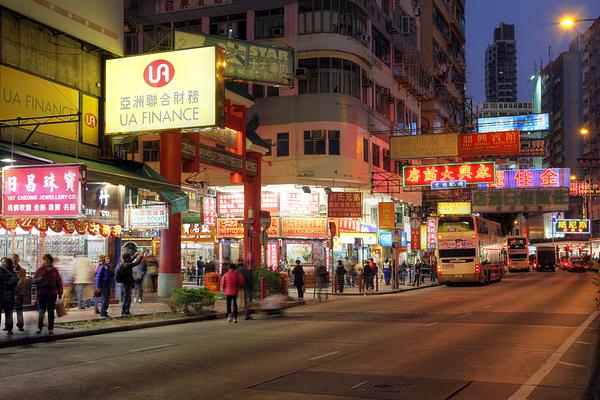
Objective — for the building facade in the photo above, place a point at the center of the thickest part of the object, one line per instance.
(501, 65)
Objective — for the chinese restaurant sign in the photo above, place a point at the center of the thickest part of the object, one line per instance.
(492, 143)
(148, 216)
(454, 208)
(304, 227)
(300, 203)
(423, 146)
(250, 62)
(531, 178)
(423, 175)
(344, 205)
(49, 191)
(519, 200)
(387, 215)
(572, 226)
(170, 90)
(583, 188)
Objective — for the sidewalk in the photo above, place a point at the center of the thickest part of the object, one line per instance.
(355, 291)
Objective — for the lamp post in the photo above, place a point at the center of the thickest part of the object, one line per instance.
(569, 22)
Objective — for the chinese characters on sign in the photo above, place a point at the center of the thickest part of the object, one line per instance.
(344, 205)
(304, 227)
(415, 233)
(532, 148)
(492, 143)
(432, 232)
(230, 204)
(209, 206)
(423, 146)
(454, 208)
(300, 203)
(441, 185)
(423, 175)
(230, 228)
(272, 255)
(44, 192)
(572, 226)
(348, 225)
(517, 200)
(269, 201)
(387, 215)
(531, 178)
(583, 188)
(197, 232)
(102, 203)
(148, 216)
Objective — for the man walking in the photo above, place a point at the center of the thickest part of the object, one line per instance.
(20, 291)
(199, 271)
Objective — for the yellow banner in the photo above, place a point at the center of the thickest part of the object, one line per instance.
(89, 120)
(387, 215)
(424, 146)
(454, 208)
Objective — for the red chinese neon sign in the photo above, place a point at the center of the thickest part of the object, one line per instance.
(423, 175)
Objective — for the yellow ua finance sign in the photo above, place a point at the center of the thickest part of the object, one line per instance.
(161, 91)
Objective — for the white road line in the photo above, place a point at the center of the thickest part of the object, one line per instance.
(486, 307)
(150, 348)
(464, 315)
(529, 386)
(572, 365)
(580, 342)
(432, 324)
(323, 356)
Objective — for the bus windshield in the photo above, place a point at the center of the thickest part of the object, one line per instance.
(456, 224)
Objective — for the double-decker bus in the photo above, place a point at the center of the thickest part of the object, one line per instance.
(516, 251)
(470, 249)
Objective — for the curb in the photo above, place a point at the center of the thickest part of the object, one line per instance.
(384, 293)
(101, 331)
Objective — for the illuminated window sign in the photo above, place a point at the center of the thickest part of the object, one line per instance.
(424, 175)
(454, 208)
(523, 123)
(572, 226)
(441, 185)
(531, 179)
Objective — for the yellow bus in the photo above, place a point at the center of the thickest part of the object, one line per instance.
(517, 249)
(470, 249)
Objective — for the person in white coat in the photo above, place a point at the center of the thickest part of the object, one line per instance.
(83, 278)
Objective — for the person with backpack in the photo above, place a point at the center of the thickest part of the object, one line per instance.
(103, 280)
(232, 283)
(20, 291)
(49, 285)
(9, 281)
(139, 274)
(124, 276)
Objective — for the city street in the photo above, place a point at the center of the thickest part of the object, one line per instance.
(530, 336)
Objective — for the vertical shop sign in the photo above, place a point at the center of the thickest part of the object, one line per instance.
(415, 233)
(344, 205)
(43, 191)
(209, 205)
(432, 224)
(387, 215)
(272, 255)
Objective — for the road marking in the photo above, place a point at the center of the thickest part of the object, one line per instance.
(464, 315)
(580, 342)
(529, 386)
(323, 356)
(572, 365)
(432, 324)
(150, 348)
(486, 307)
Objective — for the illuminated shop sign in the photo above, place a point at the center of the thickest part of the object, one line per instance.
(523, 123)
(572, 226)
(441, 185)
(531, 178)
(424, 175)
(491, 143)
(454, 208)
(344, 205)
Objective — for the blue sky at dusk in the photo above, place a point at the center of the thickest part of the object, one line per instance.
(536, 29)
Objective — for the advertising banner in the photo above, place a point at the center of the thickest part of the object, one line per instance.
(230, 228)
(415, 233)
(250, 62)
(532, 148)
(103, 203)
(197, 232)
(344, 205)
(572, 226)
(45, 191)
(269, 201)
(432, 232)
(531, 179)
(385, 239)
(348, 225)
(304, 227)
(523, 123)
(209, 206)
(423, 175)
(454, 208)
(148, 216)
(272, 255)
(230, 204)
(585, 188)
(424, 146)
(519, 200)
(300, 203)
(161, 91)
(387, 215)
(492, 143)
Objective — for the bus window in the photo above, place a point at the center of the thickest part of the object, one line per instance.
(455, 224)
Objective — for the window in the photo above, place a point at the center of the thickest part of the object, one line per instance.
(375, 155)
(314, 142)
(151, 150)
(343, 17)
(330, 75)
(268, 23)
(283, 144)
(272, 91)
(334, 142)
(366, 150)
(386, 160)
(231, 26)
(258, 91)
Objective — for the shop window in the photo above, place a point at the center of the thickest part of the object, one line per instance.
(258, 91)
(366, 150)
(375, 155)
(272, 91)
(314, 142)
(268, 23)
(151, 150)
(283, 144)
(334, 142)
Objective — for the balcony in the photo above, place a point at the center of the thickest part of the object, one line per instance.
(410, 75)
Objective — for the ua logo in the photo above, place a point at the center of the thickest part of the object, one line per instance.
(158, 73)
(90, 120)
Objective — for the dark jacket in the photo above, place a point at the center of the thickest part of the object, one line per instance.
(48, 281)
(22, 275)
(8, 281)
(340, 271)
(321, 273)
(298, 275)
(104, 276)
(245, 272)
(367, 270)
(127, 268)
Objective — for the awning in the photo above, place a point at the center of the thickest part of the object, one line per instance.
(128, 173)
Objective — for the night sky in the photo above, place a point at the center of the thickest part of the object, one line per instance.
(536, 29)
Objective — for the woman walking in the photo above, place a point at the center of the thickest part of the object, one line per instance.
(232, 283)
(299, 279)
(49, 285)
(104, 276)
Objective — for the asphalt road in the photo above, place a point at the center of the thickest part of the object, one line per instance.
(530, 336)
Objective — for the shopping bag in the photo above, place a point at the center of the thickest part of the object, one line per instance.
(61, 309)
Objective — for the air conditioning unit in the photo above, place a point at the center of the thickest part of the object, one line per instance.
(301, 73)
(277, 32)
(366, 82)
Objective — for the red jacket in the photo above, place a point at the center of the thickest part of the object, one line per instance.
(48, 281)
(232, 283)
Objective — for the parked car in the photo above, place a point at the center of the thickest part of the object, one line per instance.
(576, 264)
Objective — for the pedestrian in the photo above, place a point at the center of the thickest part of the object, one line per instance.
(9, 282)
(403, 272)
(366, 274)
(139, 283)
(299, 279)
(232, 283)
(104, 275)
(321, 281)
(212, 265)
(153, 272)
(199, 271)
(417, 274)
(20, 290)
(48, 285)
(340, 272)
(247, 274)
(124, 276)
(83, 277)
(387, 271)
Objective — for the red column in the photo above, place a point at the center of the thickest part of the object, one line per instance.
(169, 261)
(252, 189)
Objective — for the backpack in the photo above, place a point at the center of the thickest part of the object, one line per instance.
(119, 274)
(137, 274)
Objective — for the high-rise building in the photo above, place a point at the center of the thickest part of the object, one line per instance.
(442, 52)
(501, 65)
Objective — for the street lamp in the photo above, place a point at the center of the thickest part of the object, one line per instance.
(584, 131)
(573, 178)
(568, 22)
